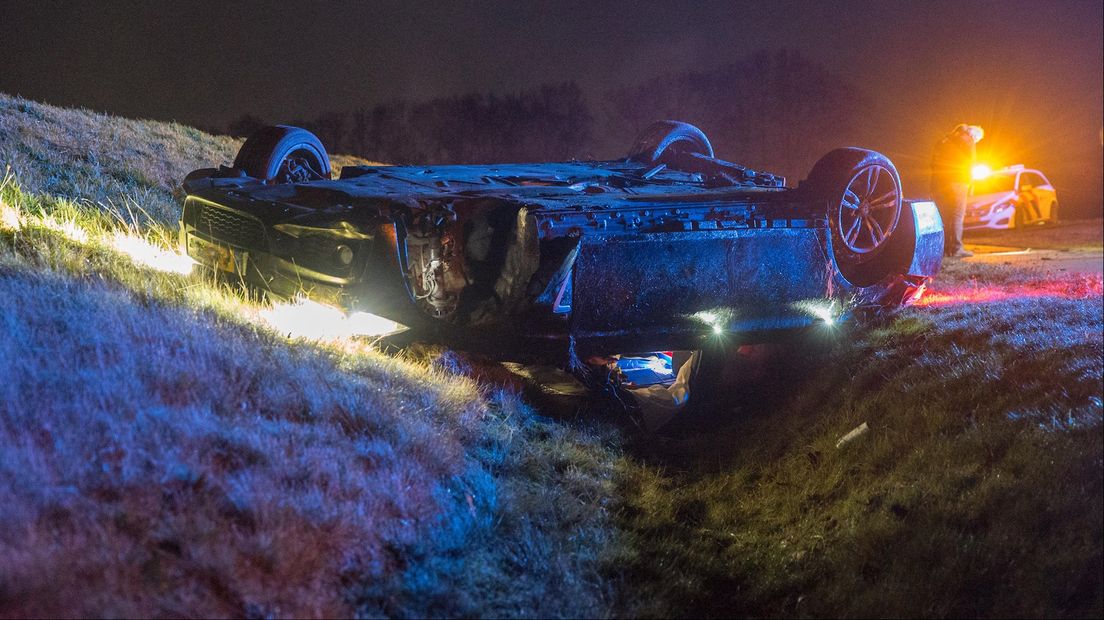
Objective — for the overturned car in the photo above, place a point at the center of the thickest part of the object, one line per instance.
(664, 250)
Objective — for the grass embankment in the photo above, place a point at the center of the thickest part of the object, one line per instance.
(977, 490)
(166, 453)
(108, 161)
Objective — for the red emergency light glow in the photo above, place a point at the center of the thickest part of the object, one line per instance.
(1074, 288)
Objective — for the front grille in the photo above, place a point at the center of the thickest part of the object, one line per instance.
(230, 227)
(316, 250)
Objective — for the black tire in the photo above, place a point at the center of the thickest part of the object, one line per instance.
(1053, 215)
(283, 154)
(663, 139)
(863, 193)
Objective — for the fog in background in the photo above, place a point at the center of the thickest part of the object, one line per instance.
(773, 84)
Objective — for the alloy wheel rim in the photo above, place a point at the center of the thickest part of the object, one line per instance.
(869, 209)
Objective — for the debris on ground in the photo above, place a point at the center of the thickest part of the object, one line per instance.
(855, 433)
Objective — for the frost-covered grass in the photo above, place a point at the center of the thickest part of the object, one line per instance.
(88, 157)
(166, 453)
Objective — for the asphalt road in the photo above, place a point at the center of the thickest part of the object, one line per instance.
(1073, 247)
(1069, 261)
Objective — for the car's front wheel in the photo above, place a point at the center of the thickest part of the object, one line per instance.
(283, 154)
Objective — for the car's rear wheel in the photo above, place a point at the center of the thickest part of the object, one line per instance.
(862, 191)
(666, 139)
(284, 154)
(1053, 219)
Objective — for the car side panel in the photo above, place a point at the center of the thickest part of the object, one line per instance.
(655, 287)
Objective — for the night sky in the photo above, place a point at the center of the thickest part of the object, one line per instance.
(1031, 69)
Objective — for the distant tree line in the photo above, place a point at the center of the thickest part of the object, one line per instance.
(549, 122)
(775, 110)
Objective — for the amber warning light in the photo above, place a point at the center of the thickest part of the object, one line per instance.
(980, 171)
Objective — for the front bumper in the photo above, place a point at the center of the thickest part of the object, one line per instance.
(240, 246)
(286, 267)
(996, 216)
(277, 277)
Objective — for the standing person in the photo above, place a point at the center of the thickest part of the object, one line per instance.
(952, 163)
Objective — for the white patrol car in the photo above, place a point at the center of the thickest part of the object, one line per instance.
(1011, 197)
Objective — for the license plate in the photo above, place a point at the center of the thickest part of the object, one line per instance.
(221, 257)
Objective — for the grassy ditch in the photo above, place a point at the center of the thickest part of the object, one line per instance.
(976, 491)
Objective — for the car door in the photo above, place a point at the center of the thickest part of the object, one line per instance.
(1046, 196)
(1029, 201)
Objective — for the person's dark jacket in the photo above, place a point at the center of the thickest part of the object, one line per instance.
(951, 163)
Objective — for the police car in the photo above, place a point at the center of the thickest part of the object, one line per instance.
(1010, 197)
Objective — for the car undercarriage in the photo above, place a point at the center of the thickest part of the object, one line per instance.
(663, 250)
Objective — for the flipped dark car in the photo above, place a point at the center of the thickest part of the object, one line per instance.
(664, 250)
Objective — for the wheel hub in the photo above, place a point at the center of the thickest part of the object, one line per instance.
(869, 209)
